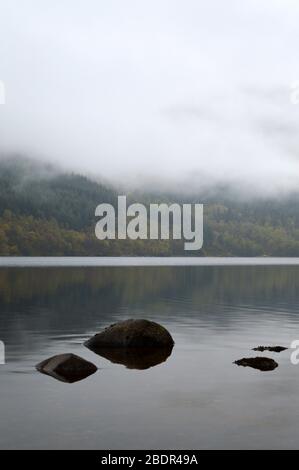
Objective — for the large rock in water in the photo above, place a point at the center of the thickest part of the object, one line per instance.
(67, 367)
(131, 334)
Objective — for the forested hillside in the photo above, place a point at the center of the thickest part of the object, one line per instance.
(47, 212)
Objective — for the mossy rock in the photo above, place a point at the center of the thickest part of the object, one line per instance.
(131, 334)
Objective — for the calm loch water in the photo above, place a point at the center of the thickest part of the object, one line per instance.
(197, 398)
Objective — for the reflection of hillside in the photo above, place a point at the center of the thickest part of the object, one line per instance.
(81, 300)
(131, 285)
(127, 283)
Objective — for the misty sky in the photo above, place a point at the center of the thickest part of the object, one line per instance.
(183, 91)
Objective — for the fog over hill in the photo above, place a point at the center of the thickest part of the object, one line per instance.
(45, 211)
(161, 94)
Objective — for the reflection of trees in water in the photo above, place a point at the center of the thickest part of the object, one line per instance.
(131, 284)
(81, 299)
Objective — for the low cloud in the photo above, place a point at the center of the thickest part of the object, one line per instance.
(184, 95)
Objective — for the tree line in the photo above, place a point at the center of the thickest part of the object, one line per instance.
(47, 213)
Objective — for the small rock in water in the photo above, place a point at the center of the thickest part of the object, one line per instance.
(260, 363)
(277, 349)
(131, 334)
(66, 367)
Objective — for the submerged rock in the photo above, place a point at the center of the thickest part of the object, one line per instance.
(136, 358)
(277, 349)
(131, 334)
(260, 363)
(66, 367)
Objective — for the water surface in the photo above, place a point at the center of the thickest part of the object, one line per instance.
(196, 399)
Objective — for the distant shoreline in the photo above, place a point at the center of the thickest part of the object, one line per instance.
(125, 261)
